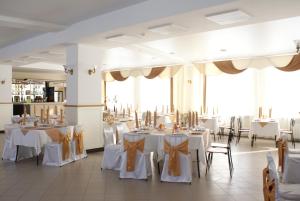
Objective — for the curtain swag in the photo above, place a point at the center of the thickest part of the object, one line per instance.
(293, 65)
(155, 72)
(118, 76)
(227, 67)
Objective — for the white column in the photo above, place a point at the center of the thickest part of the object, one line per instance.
(84, 93)
(6, 107)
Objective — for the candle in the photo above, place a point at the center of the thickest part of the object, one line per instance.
(270, 113)
(167, 109)
(259, 112)
(155, 114)
(42, 115)
(201, 110)
(177, 117)
(136, 120)
(124, 113)
(48, 115)
(193, 120)
(55, 110)
(189, 119)
(197, 119)
(61, 116)
(146, 119)
(149, 118)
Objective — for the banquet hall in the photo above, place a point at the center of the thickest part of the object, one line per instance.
(141, 100)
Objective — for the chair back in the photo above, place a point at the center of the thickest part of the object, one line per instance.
(108, 133)
(78, 129)
(132, 137)
(273, 175)
(67, 130)
(268, 186)
(120, 130)
(175, 139)
(282, 148)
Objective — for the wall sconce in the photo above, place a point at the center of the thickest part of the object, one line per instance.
(2, 81)
(92, 71)
(189, 81)
(68, 69)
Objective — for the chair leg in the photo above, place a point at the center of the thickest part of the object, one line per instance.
(198, 164)
(293, 140)
(158, 167)
(17, 153)
(252, 140)
(229, 164)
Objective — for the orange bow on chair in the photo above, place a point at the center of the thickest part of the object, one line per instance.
(132, 148)
(174, 160)
(65, 141)
(78, 138)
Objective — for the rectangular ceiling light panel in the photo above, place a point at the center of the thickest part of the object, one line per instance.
(167, 29)
(229, 17)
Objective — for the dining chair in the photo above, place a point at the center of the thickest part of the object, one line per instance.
(59, 153)
(290, 131)
(276, 189)
(112, 151)
(177, 165)
(219, 148)
(240, 129)
(135, 161)
(77, 145)
(230, 128)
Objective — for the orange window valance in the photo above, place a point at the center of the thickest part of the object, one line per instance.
(118, 76)
(155, 72)
(227, 67)
(293, 65)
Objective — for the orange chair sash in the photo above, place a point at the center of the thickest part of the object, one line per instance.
(78, 138)
(132, 148)
(263, 124)
(174, 160)
(65, 141)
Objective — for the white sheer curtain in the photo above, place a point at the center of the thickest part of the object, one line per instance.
(120, 93)
(280, 92)
(154, 93)
(231, 94)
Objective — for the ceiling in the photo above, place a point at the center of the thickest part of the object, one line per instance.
(55, 12)
(272, 29)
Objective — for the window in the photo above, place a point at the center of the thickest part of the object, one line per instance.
(231, 94)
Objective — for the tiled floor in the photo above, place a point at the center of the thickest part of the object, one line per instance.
(83, 180)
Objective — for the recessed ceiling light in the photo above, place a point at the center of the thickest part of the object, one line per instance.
(121, 38)
(229, 17)
(167, 29)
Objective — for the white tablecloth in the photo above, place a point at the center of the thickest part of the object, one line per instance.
(210, 123)
(154, 142)
(34, 138)
(291, 172)
(267, 131)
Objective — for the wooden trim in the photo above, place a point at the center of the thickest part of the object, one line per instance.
(101, 105)
(204, 92)
(2, 131)
(100, 149)
(171, 94)
(5, 103)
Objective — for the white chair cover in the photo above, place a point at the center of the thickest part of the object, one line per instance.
(185, 162)
(112, 152)
(121, 128)
(142, 163)
(9, 152)
(53, 151)
(75, 157)
(282, 191)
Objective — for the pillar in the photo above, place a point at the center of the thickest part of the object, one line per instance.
(6, 107)
(83, 106)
